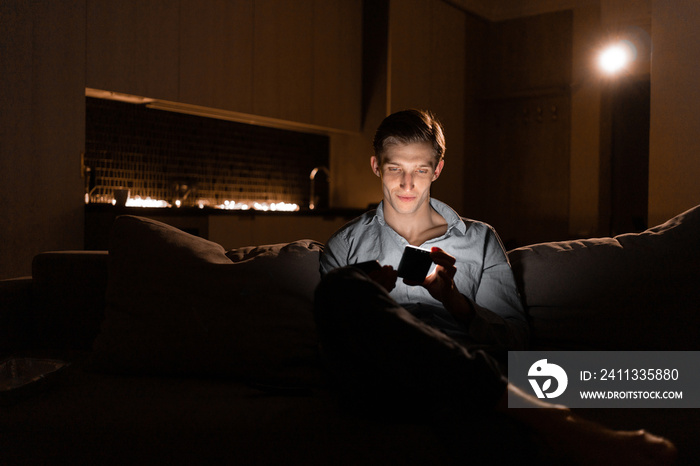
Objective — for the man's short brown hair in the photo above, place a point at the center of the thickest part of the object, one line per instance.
(410, 126)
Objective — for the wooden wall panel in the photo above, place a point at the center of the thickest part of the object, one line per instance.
(448, 99)
(674, 161)
(524, 180)
(42, 96)
(337, 46)
(428, 71)
(529, 53)
(133, 47)
(17, 160)
(216, 54)
(295, 60)
(283, 59)
(410, 53)
(476, 32)
(525, 158)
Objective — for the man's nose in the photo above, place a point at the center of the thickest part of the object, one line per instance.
(407, 180)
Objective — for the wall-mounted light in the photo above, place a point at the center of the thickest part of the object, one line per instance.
(617, 57)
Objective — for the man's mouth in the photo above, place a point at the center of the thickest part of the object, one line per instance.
(406, 198)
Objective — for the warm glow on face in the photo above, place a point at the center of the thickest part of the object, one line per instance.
(407, 172)
(616, 57)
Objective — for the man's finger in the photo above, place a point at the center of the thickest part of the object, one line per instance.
(442, 258)
(447, 274)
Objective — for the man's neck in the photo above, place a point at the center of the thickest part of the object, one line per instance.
(416, 227)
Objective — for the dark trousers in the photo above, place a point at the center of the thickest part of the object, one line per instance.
(383, 357)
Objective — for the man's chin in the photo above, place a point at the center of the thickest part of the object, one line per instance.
(405, 207)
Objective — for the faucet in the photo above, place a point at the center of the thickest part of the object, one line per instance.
(313, 201)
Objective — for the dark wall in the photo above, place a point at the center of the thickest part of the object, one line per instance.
(42, 119)
(520, 179)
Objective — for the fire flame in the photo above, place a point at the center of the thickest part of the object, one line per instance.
(136, 201)
(263, 206)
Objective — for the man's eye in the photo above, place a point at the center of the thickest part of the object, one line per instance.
(392, 169)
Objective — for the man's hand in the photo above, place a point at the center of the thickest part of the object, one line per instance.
(441, 286)
(386, 276)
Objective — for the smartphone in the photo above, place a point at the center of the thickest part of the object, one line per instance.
(415, 264)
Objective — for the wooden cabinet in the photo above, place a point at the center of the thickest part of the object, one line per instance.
(523, 179)
(337, 65)
(294, 60)
(133, 47)
(283, 59)
(216, 54)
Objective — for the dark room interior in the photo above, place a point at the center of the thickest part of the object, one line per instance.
(527, 112)
(240, 132)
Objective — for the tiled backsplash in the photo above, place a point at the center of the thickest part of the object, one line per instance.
(169, 156)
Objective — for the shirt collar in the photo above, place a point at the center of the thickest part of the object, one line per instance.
(453, 219)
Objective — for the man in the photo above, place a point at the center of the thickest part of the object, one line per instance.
(471, 294)
(433, 345)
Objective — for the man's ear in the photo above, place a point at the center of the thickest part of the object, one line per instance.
(438, 169)
(375, 165)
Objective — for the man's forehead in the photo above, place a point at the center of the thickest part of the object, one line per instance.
(420, 163)
(413, 153)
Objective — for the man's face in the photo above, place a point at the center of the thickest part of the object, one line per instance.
(407, 171)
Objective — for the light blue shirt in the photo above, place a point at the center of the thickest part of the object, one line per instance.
(483, 275)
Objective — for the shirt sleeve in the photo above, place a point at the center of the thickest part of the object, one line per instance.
(334, 254)
(500, 318)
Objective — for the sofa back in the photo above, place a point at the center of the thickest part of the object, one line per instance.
(630, 292)
(636, 291)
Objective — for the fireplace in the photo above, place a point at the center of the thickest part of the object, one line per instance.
(141, 156)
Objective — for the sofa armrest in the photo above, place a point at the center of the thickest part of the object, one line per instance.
(15, 310)
(68, 298)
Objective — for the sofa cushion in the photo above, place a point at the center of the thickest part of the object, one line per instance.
(176, 304)
(634, 291)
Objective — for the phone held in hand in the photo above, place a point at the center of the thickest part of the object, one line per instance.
(415, 264)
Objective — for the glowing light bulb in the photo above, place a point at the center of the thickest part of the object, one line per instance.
(616, 57)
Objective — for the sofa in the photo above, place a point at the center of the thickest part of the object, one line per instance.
(175, 351)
